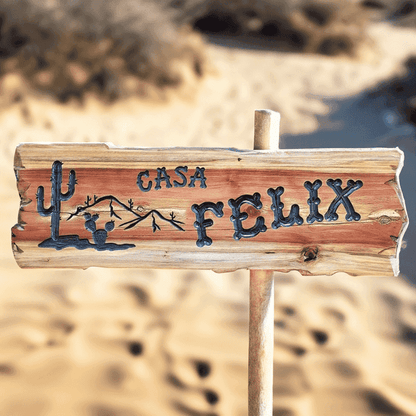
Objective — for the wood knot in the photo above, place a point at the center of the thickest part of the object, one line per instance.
(384, 220)
(309, 254)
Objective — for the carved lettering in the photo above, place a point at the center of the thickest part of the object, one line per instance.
(140, 181)
(162, 176)
(127, 215)
(179, 171)
(198, 176)
(238, 216)
(342, 198)
(201, 223)
(313, 201)
(277, 208)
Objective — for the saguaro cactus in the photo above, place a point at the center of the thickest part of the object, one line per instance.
(56, 197)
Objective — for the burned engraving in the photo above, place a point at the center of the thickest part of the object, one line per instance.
(201, 223)
(238, 217)
(180, 170)
(198, 176)
(54, 211)
(342, 198)
(99, 236)
(313, 201)
(100, 233)
(277, 208)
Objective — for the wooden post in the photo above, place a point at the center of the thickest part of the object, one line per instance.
(261, 338)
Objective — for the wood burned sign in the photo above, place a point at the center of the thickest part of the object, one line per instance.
(315, 211)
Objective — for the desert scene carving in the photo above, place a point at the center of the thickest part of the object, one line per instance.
(126, 342)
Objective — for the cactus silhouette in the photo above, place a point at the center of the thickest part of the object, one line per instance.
(99, 236)
(56, 197)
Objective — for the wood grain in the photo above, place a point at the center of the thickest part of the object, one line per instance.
(368, 246)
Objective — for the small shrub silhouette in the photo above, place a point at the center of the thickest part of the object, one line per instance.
(99, 236)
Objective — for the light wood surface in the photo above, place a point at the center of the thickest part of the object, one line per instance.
(106, 156)
(368, 246)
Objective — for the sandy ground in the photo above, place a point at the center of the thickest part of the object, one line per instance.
(128, 342)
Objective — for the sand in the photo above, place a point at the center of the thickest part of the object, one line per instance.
(148, 342)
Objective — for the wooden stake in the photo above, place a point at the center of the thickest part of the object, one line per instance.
(261, 337)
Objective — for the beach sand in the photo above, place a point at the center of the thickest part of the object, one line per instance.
(151, 342)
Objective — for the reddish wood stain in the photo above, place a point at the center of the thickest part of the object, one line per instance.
(222, 184)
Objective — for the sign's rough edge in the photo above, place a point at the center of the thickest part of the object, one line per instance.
(394, 259)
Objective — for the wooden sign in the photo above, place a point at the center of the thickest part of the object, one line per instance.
(315, 211)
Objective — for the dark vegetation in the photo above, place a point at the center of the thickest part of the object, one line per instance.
(327, 27)
(108, 48)
(114, 49)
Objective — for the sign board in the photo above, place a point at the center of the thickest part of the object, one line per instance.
(315, 211)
